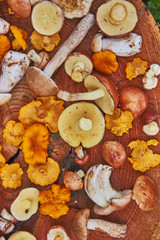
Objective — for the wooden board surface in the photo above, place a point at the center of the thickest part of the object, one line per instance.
(141, 225)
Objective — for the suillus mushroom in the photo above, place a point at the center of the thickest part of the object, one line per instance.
(100, 89)
(98, 187)
(81, 224)
(22, 235)
(44, 174)
(40, 60)
(39, 81)
(81, 123)
(116, 18)
(145, 193)
(74, 8)
(47, 18)
(58, 232)
(78, 66)
(26, 204)
(125, 46)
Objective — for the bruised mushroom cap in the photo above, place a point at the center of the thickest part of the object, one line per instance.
(40, 83)
(74, 8)
(108, 103)
(70, 120)
(116, 18)
(79, 224)
(145, 193)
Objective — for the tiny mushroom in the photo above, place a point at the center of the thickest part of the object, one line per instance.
(72, 181)
(81, 157)
(39, 81)
(145, 193)
(81, 224)
(58, 232)
(26, 204)
(4, 26)
(150, 79)
(126, 46)
(81, 123)
(78, 66)
(116, 18)
(98, 187)
(40, 60)
(100, 89)
(151, 128)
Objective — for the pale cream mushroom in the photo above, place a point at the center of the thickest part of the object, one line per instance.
(78, 66)
(26, 204)
(39, 81)
(81, 224)
(100, 89)
(124, 47)
(116, 18)
(82, 123)
(58, 232)
(22, 235)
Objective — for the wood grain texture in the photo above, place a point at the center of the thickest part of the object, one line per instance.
(141, 225)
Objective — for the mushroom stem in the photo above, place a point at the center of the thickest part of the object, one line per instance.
(113, 229)
(77, 72)
(5, 226)
(85, 124)
(34, 56)
(66, 96)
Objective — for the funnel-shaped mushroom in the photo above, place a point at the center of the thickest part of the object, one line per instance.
(100, 89)
(81, 123)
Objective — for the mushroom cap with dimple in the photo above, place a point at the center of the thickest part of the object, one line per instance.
(40, 83)
(70, 131)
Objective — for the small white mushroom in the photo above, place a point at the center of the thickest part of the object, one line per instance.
(126, 46)
(4, 26)
(151, 128)
(150, 79)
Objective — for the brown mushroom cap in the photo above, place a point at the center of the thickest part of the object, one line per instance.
(109, 102)
(40, 83)
(69, 120)
(79, 224)
(145, 193)
(110, 21)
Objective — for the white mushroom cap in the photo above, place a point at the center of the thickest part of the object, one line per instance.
(96, 44)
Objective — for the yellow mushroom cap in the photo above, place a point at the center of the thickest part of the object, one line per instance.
(72, 133)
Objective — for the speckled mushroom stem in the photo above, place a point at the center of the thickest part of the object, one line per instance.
(70, 44)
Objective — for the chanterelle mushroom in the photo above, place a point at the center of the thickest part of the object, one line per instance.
(81, 223)
(100, 89)
(81, 123)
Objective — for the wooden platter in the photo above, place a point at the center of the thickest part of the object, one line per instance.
(141, 225)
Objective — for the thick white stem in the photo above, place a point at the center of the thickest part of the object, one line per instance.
(5, 226)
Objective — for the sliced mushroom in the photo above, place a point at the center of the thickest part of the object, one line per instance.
(78, 66)
(100, 89)
(126, 46)
(81, 223)
(73, 126)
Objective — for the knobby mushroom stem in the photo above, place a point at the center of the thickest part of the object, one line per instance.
(66, 96)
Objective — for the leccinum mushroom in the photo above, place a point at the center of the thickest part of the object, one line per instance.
(40, 81)
(100, 89)
(81, 123)
(124, 47)
(81, 223)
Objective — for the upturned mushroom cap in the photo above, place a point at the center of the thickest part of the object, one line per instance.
(108, 103)
(73, 125)
(79, 224)
(39, 83)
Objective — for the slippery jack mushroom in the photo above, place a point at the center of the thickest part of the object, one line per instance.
(40, 82)
(116, 18)
(81, 224)
(40, 60)
(100, 191)
(78, 66)
(81, 123)
(126, 46)
(100, 89)
(58, 232)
